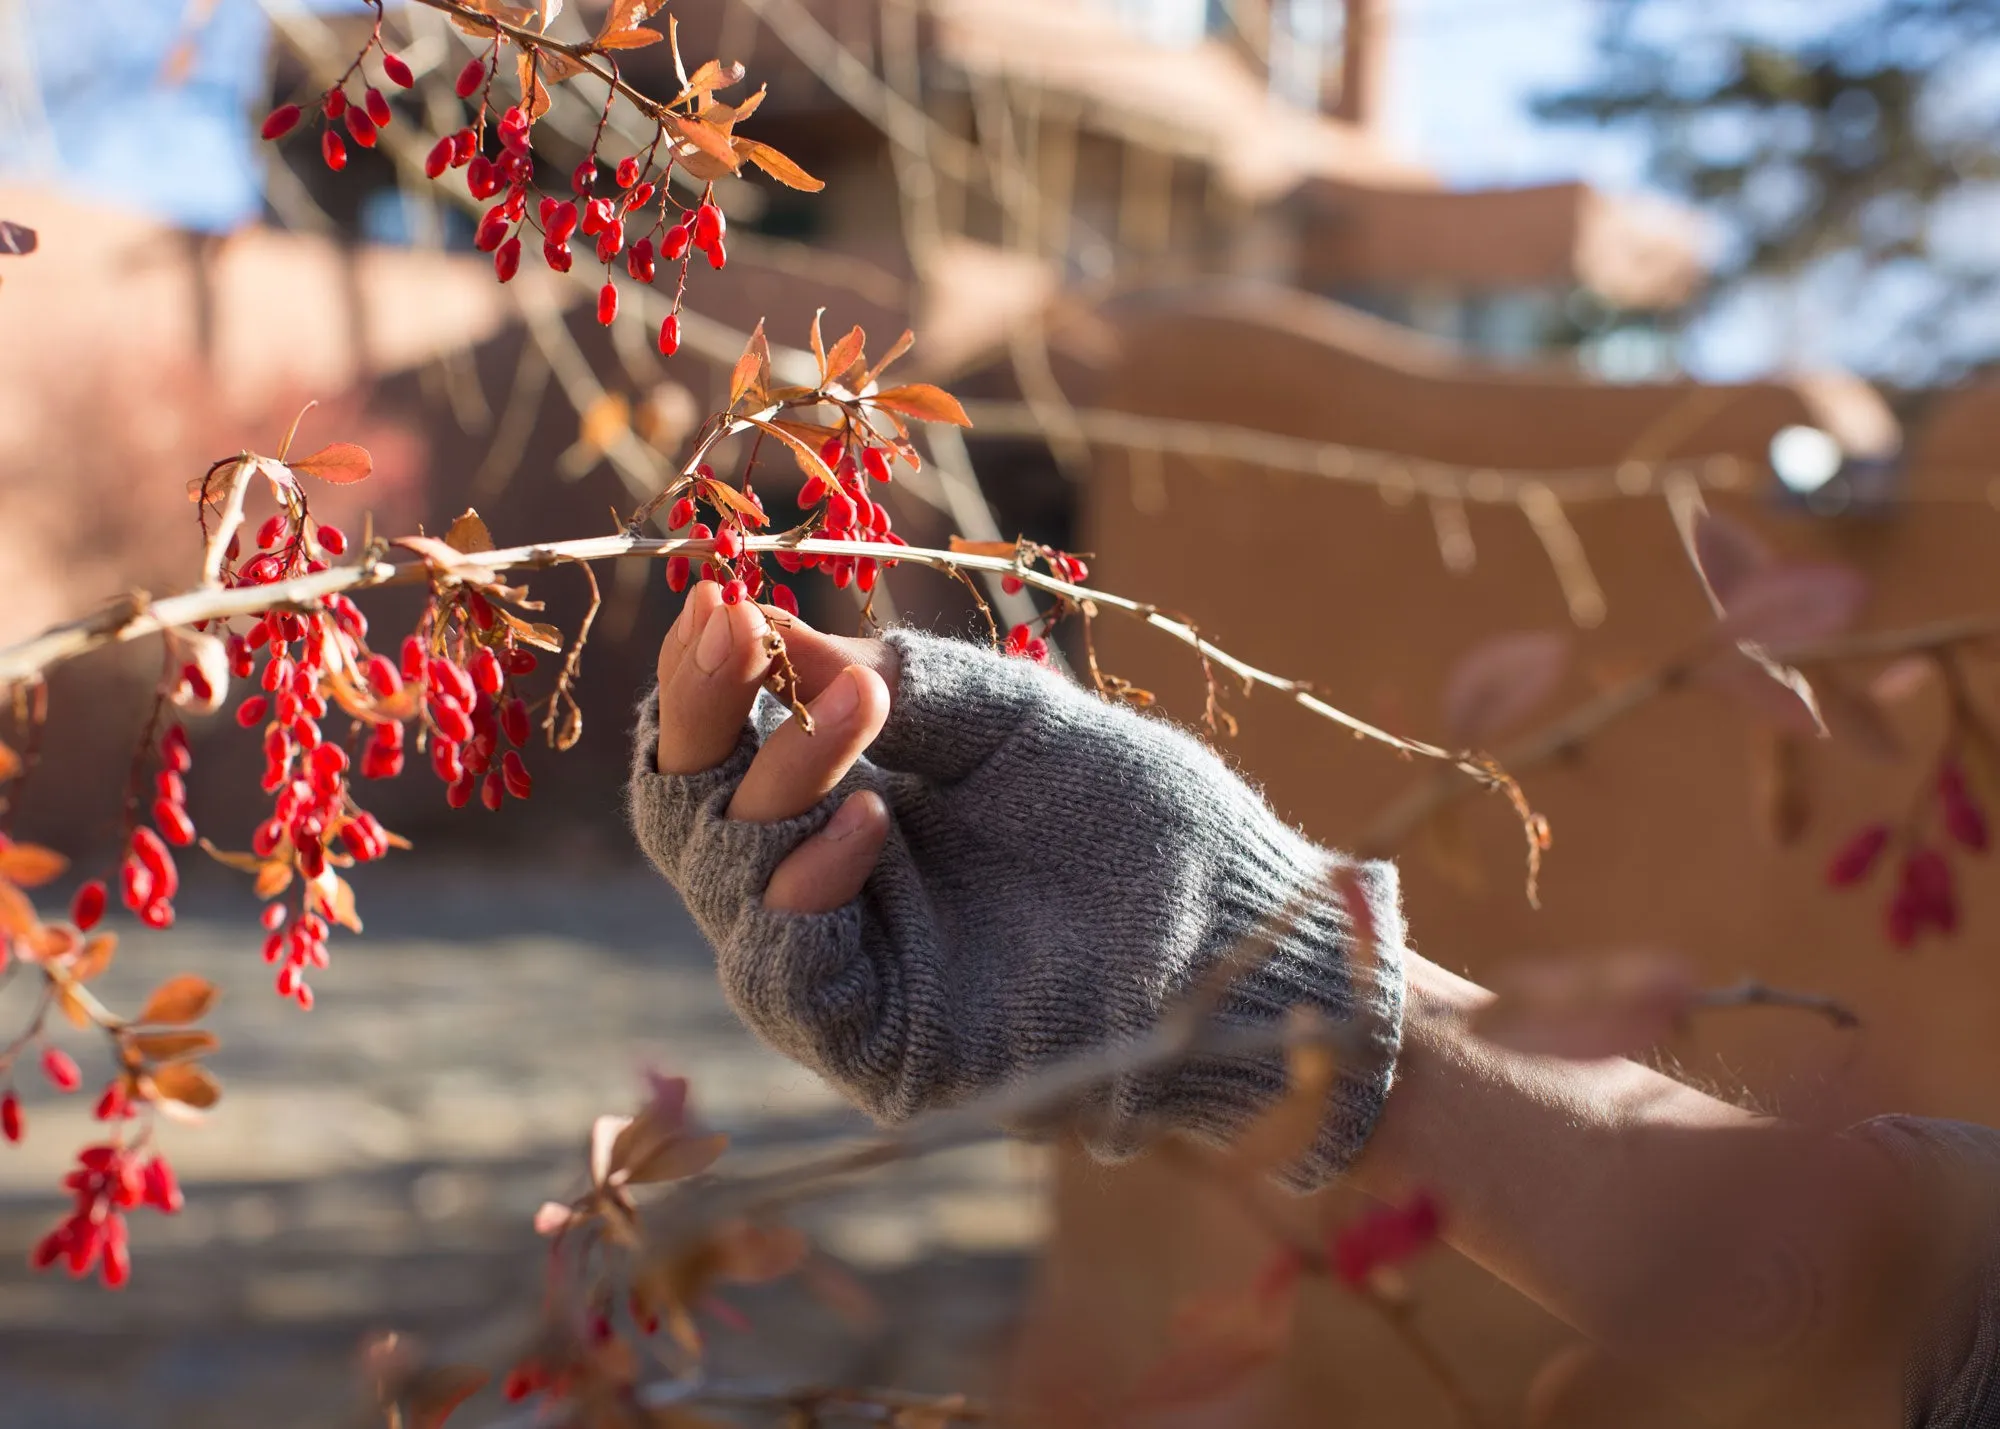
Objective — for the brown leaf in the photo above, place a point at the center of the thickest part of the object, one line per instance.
(922, 401)
(341, 464)
(751, 105)
(468, 533)
(1500, 681)
(10, 762)
(722, 494)
(528, 632)
(94, 957)
(672, 1159)
(1589, 1008)
(17, 914)
(778, 166)
(16, 239)
(173, 1046)
(706, 138)
(31, 865)
(535, 95)
(636, 38)
(1727, 553)
(185, 998)
(443, 559)
(187, 1083)
(625, 15)
(848, 351)
(1285, 1131)
(753, 368)
(273, 878)
(804, 453)
(1781, 605)
(999, 550)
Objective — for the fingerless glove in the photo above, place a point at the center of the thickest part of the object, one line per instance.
(1059, 871)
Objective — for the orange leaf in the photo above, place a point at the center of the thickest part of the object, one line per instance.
(924, 402)
(468, 533)
(186, 1083)
(803, 452)
(31, 865)
(10, 762)
(1000, 550)
(848, 351)
(342, 464)
(896, 349)
(753, 368)
(17, 914)
(178, 999)
(625, 15)
(94, 957)
(779, 166)
(729, 496)
(707, 138)
(173, 1046)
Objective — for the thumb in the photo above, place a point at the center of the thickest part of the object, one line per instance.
(818, 657)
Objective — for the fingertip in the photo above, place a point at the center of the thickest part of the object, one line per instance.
(829, 870)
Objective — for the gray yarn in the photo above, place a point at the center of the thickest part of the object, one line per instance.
(1059, 871)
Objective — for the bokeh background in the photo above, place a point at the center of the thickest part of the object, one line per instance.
(1361, 331)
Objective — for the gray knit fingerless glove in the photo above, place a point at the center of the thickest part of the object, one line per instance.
(1059, 872)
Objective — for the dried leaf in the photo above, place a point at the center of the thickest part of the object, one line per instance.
(848, 351)
(896, 349)
(548, 10)
(17, 914)
(468, 533)
(187, 1083)
(446, 561)
(1589, 1008)
(674, 1159)
(1285, 1131)
(17, 239)
(753, 369)
(1727, 553)
(535, 94)
(1501, 681)
(341, 464)
(173, 1046)
(625, 15)
(636, 38)
(542, 637)
(707, 139)
(31, 865)
(751, 105)
(922, 401)
(778, 166)
(804, 453)
(273, 877)
(181, 999)
(746, 511)
(94, 957)
(1781, 605)
(334, 897)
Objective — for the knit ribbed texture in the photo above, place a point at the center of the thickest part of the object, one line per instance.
(1059, 872)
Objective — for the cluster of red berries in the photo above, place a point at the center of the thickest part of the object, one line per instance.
(108, 1181)
(148, 877)
(1382, 1237)
(365, 117)
(1924, 896)
(468, 706)
(510, 176)
(1023, 641)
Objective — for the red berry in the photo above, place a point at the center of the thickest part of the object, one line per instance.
(11, 1123)
(514, 773)
(681, 514)
(521, 662)
(1855, 858)
(628, 171)
(639, 262)
(173, 822)
(638, 197)
(481, 179)
(491, 790)
(61, 1070)
(514, 128)
(334, 103)
(174, 752)
(87, 907)
(438, 159)
(507, 259)
(332, 150)
(677, 573)
(674, 246)
(607, 304)
(281, 121)
(733, 592)
(487, 676)
(729, 542)
(557, 256)
(514, 720)
(470, 78)
(162, 1191)
(709, 226)
(670, 334)
(378, 108)
(112, 1105)
(782, 597)
(717, 256)
(331, 539)
(492, 230)
(397, 71)
(560, 222)
(585, 176)
(875, 462)
(361, 126)
(832, 450)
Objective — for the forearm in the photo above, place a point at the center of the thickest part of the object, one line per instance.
(1727, 1250)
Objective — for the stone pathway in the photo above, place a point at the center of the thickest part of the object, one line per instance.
(375, 1162)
